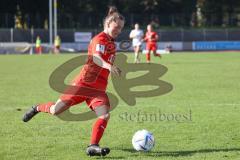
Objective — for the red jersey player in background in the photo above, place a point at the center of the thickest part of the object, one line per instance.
(94, 75)
(151, 38)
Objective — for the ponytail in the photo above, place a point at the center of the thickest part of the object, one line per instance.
(113, 15)
(112, 10)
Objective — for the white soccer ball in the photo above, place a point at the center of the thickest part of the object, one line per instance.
(143, 140)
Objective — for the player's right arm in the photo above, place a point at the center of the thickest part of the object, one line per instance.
(98, 50)
(155, 37)
(98, 60)
(146, 37)
(131, 34)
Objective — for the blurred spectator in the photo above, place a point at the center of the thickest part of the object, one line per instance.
(168, 48)
(57, 44)
(26, 21)
(193, 21)
(46, 24)
(155, 23)
(38, 45)
(18, 18)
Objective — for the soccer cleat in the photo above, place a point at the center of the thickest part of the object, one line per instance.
(158, 55)
(95, 150)
(30, 114)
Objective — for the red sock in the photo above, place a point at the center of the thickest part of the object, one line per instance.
(98, 130)
(148, 57)
(45, 107)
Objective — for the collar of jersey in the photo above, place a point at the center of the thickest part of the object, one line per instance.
(109, 37)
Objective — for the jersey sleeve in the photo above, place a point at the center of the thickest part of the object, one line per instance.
(155, 36)
(104, 49)
(99, 47)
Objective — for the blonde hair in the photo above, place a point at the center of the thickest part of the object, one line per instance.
(113, 15)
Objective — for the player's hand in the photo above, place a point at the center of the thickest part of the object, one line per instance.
(115, 70)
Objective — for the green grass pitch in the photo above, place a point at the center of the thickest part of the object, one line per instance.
(205, 97)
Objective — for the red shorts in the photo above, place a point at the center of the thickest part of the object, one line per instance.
(151, 46)
(94, 98)
(38, 50)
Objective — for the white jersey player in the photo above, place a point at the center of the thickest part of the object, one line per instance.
(137, 36)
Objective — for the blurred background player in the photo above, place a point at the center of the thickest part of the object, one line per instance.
(38, 45)
(57, 44)
(151, 39)
(136, 35)
(90, 85)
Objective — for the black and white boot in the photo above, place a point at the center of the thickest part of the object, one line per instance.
(30, 114)
(95, 150)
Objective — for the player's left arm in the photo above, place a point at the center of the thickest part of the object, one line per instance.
(154, 37)
(157, 37)
(131, 36)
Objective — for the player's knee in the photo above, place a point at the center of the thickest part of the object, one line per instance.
(105, 116)
(53, 110)
(58, 108)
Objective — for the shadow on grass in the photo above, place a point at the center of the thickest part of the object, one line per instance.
(177, 153)
(110, 157)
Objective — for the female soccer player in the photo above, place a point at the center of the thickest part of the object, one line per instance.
(136, 35)
(151, 38)
(94, 75)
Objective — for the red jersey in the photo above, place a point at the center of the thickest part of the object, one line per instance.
(91, 74)
(151, 37)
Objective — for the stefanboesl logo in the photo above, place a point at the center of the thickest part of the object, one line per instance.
(122, 85)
